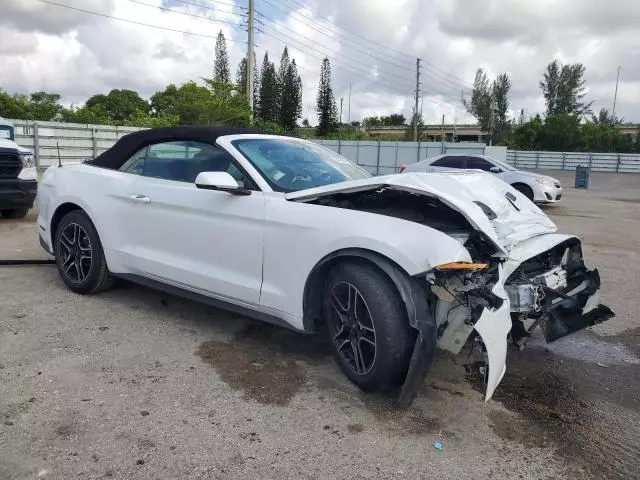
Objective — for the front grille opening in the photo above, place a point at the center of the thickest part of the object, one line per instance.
(10, 165)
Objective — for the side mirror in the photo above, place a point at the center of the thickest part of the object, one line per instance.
(221, 181)
(495, 170)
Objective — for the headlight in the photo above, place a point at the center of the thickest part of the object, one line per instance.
(27, 160)
(544, 181)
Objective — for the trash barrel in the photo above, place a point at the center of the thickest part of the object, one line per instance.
(582, 176)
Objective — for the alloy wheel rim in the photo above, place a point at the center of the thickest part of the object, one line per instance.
(76, 253)
(352, 328)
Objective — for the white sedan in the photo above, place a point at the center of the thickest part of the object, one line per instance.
(537, 188)
(289, 232)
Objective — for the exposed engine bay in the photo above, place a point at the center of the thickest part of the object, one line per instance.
(553, 290)
(422, 209)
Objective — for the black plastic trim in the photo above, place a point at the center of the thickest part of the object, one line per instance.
(17, 193)
(200, 298)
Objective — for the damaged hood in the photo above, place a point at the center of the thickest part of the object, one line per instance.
(512, 217)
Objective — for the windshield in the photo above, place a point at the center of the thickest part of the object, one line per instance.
(292, 165)
(503, 165)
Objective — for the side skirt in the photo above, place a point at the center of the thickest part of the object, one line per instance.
(205, 299)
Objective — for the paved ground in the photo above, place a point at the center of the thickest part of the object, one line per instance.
(134, 384)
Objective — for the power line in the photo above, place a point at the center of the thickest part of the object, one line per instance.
(458, 80)
(357, 73)
(392, 77)
(136, 23)
(165, 9)
(350, 33)
(215, 3)
(366, 50)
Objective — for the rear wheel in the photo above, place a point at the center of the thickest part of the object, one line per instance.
(367, 325)
(79, 255)
(15, 212)
(524, 189)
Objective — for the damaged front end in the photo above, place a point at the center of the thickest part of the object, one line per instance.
(504, 301)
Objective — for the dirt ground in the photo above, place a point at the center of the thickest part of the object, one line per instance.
(134, 384)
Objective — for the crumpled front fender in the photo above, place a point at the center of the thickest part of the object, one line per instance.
(494, 326)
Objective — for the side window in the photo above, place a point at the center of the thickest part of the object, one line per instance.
(136, 163)
(183, 161)
(450, 162)
(478, 164)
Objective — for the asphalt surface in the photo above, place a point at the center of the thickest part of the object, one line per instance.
(134, 384)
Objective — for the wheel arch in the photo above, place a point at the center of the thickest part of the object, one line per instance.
(59, 213)
(523, 184)
(408, 287)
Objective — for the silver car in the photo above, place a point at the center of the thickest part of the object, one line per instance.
(537, 188)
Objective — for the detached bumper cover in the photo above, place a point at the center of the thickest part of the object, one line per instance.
(580, 309)
(563, 314)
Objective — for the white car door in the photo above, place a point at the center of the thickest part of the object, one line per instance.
(203, 240)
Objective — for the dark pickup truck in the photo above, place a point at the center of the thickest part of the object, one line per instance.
(18, 179)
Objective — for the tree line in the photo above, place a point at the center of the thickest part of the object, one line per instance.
(219, 100)
(568, 123)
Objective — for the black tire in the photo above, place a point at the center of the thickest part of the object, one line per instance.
(15, 212)
(79, 256)
(524, 189)
(393, 337)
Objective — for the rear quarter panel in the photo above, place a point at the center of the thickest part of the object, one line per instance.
(102, 193)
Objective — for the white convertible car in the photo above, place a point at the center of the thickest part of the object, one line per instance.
(290, 232)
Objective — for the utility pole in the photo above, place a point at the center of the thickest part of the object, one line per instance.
(415, 110)
(341, 99)
(615, 95)
(250, 65)
(349, 111)
(442, 147)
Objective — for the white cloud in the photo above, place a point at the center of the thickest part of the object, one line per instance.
(46, 47)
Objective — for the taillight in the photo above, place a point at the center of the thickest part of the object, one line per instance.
(402, 168)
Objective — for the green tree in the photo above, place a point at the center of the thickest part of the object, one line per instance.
(326, 102)
(291, 98)
(481, 103)
(164, 102)
(563, 88)
(14, 106)
(283, 70)
(605, 118)
(221, 62)
(118, 104)
(95, 115)
(500, 101)
(409, 134)
(268, 108)
(241, 75)
(217, 103)
(44, 106)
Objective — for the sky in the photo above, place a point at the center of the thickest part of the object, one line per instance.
(372, 45)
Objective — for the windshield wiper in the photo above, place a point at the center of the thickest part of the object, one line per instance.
(512, 200)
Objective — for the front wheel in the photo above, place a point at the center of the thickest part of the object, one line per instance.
(524, 189)
(79, 255)
(367, 325)
(14, 212)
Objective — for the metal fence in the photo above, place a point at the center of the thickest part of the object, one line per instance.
(385, 157)
(599, 162)
(80, 141)
(77, 142)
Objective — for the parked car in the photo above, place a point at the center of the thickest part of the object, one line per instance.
(18, 176)
(287, 231)
(537, 188)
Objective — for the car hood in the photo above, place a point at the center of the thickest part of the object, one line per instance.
(6, 143)
(534, 175)
(515, 220)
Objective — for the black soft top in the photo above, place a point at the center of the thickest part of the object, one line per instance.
(132, 142)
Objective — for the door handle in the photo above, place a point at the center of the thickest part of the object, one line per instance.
(140, 198)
